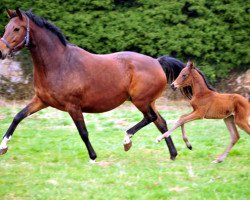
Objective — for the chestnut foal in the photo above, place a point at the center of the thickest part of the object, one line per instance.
(206, 103)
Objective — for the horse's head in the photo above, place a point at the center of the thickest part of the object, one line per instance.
(184, 79)
(16, 34)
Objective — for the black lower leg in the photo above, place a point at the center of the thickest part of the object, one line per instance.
(148, 118)
(162, 127)
(84, 135)
(17, 119)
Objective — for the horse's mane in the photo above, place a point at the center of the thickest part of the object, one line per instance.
(41, 22)
(209, 86)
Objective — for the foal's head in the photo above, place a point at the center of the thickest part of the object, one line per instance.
(184, 79)
(16, 34)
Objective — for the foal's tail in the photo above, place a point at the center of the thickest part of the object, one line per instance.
(172, 68)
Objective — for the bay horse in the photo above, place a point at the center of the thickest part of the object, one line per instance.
(207, 103)
(73, 80)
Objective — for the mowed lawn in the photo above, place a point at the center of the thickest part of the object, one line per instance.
(48, 160)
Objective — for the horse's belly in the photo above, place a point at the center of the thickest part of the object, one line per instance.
(103, 104)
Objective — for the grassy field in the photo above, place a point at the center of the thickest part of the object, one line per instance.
(48, 160)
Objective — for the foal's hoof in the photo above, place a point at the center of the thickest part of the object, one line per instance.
(216, 161)
(3, 151)
(190, 147)
(158, 139)
(127, 146)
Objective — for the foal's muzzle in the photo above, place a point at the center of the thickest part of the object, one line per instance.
(173, 87)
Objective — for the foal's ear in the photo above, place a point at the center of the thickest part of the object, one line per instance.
(190, 64)
(19, 14)
(10, 13)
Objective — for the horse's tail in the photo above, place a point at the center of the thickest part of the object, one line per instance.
(172, 68)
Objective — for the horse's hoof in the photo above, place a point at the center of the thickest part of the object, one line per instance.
(172, 157)
(92, 161)
(3, 151)
(127, 146)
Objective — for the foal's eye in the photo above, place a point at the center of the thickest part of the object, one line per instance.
(184, 76)
(16, 29)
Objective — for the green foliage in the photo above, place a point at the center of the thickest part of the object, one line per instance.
(215, 34)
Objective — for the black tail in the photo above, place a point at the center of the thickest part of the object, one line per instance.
(172, 68)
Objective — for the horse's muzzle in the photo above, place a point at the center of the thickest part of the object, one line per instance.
(173, 87)
(2, 55)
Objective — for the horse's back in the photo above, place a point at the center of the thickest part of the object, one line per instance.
(106, 81)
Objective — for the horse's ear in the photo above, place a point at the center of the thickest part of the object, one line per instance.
(10, 13)
(19, 14)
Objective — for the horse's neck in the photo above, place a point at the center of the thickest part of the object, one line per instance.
(199, 86)
(46, 50)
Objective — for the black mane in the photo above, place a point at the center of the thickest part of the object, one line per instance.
(209, 86)
(172, 68)
(41, 22)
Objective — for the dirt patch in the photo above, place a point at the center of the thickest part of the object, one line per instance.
(178, 189)
(104, 163)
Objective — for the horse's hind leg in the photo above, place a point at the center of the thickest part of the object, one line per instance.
(77, 117)
(229, 121)
(149, 116)
(161, 124)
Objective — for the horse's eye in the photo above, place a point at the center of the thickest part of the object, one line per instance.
(16, 29)
(184, 76)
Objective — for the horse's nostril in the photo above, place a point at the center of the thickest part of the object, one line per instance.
(1, 55)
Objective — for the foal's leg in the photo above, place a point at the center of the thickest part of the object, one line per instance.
(35, 105)
(184, 136)
(229, 121)
(182, 120)
(242, 123)
(78, 119)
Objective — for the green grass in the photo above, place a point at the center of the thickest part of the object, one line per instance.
(48, 160)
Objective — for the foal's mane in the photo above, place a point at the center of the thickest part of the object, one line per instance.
(209, 86)
(41, 22)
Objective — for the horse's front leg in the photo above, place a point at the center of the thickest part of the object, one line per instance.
(182, 120)
(76, 115)
(35, 105)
